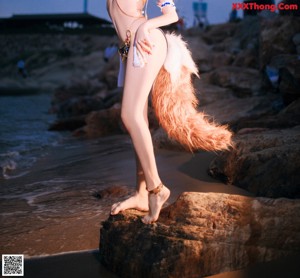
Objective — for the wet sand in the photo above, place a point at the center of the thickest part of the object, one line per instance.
(60, 205)
(57, 208)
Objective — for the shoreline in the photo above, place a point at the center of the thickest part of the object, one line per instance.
(64, 221)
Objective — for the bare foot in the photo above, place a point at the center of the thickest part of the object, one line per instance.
(156, 202)
(136, 201)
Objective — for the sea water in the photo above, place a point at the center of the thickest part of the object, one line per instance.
(24, 137)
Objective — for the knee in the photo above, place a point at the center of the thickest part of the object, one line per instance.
(131, 120)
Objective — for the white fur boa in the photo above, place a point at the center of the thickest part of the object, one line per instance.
(178, 55)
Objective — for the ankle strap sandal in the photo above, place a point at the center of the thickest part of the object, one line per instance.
(156, 190)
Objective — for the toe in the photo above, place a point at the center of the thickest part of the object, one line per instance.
(148, 220)
(115, 209)
(145, 220)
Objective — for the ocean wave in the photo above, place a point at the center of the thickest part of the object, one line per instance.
(8, 163)
(14, 165)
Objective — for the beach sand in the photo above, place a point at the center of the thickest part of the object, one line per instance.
(56, 208)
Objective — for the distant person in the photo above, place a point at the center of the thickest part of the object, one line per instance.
(21, 68)
(203, 23)
(233, 16)
(110, 51)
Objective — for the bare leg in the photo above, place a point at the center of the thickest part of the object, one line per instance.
(139, 200)
(138, 84)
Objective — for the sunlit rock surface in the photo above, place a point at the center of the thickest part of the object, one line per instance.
(264, 162)
(201, 234)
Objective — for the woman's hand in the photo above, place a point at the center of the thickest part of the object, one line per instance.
(165, 5)
(143, 41)
(159, 2)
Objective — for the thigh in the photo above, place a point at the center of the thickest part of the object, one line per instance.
(138, 81)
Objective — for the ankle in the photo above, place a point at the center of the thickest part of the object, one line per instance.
(152, 184)
(156, 190)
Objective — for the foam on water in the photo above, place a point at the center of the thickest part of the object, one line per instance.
(24, 137)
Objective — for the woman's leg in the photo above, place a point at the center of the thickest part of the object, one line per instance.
(138, 84)
(139, 200)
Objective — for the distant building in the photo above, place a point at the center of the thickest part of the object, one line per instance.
(56, 23)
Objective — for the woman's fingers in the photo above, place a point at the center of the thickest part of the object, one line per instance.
(159, 2)
(145, 46)
(142, 53)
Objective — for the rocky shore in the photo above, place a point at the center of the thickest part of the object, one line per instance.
(201, 234)
(250, 79)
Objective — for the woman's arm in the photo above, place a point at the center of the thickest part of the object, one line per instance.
(169, 15)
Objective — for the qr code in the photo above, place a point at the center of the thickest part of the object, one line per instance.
(12, 265)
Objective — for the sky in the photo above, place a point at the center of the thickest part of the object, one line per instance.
(218, 10)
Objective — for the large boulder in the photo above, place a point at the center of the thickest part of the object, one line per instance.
(236, 111)
(102, 123)
(285, 118)
(79, 106)
(264, 162)
(243, 82)
(276, 37)
(201, 234)
(289, 81)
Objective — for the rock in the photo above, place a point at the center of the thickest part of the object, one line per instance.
(220, 59)
(112, 97)
(247, 33)
(219, 32)
(201, 53)
(291, 113)
(109, 73)
(289, 84)
(214, 60)
(289, 76)
(201, 234)
(209, 93)
(298, 50)
(84, 88)
(278, 63)
(276, 37)
(238, 111)
(115, 191)
(242, 81)
(152, 119)
(162, 141)
(111, 79)
(79, 106)
(265, 163)
(247, 58)
(70, 124)
(102, 123)
(296, 39)
(287, 117)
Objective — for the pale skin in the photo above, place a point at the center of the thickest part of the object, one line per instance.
(152, 45)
